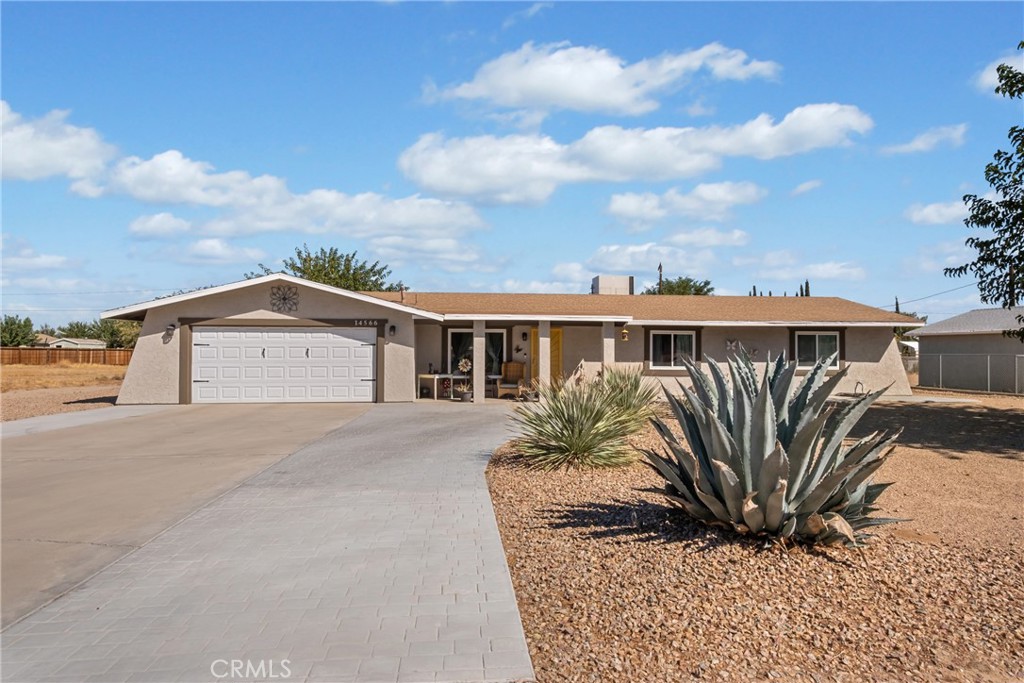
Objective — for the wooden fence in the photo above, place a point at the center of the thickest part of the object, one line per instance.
(39, 356)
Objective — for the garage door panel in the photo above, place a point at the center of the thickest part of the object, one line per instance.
(283, 364)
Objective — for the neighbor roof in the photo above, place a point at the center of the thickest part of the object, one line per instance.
(651, 309)
(978, 321)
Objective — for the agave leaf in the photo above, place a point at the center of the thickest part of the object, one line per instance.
(813, 525)
(836, 523)
(788, 528)
(873, 491)
(810, 383)
(845, 420)
(723, 449)
(693, 509)
(762, 429)
(663, 431)
(753, 516)
(877, 521)
(774, 469)
(802, 449)
(782, 385)
(740, 413)
(732, 492)
(671, 474)
(702, 386)
(816, 401)
(775, 508)
(722, 389)
(713, 504)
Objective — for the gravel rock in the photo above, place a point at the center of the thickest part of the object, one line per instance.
(17, 405)
(614, 584)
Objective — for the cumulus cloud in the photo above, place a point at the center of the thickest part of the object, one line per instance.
(158, 225)
(50, 146)
(449, 254)
(217, 250)
(638, 258)
(930, 139)
(805, 187)
(592, 79)
(527, 169)
(987, 79)
(939, 213)
(18, 255)
(709, 237)
(784, 265)
(707, 201)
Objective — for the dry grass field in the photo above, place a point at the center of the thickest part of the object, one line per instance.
(22, 377)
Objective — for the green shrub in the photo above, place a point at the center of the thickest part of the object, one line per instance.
(584, 424)
(766, 461)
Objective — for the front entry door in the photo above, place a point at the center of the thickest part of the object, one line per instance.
(556, 353)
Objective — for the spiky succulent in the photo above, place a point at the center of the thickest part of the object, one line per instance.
(765, 459)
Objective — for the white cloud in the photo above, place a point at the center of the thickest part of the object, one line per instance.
(216, 250)
(49, 146)
(707, 201)
(698, 108)
(708, 237)
(18, 255)
(159, 225)
(784, 265)
(591, 79)
(933, 258)
(638, 258)
(445, 253)
(805, 187)
(526, 14)
(939, 213)
(987, 79)
(930, 139)
(528, 168)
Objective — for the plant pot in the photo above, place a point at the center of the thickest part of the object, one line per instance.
(466, 396)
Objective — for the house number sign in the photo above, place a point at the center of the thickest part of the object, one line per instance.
(365, 323)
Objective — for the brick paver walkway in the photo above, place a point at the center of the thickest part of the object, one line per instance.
(371, 555)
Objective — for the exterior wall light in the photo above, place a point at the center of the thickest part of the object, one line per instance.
(170, 329)
(526, 336)
(625, 334)
(392, 330)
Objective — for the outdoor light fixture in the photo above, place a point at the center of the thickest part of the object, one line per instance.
(625, 334)
(170, 328)
(392, 330)
(525, 336)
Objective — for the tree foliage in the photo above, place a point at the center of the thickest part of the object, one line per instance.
(118, 334)
(331, 267)
(999, 264)
(16, 331)
(681, 285)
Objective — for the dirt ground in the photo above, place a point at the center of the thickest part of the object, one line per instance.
(614, 584)
(59, 375)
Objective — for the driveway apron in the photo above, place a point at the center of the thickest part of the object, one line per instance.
(370, 555)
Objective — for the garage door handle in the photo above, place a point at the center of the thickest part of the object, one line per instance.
(307, 353)
(263, 353)
(202, 381)
(368, 380)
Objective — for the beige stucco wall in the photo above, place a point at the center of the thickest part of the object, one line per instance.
(153, 374)
(429, 348)
(979, 362)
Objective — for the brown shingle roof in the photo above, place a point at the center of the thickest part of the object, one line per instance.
(696, 309)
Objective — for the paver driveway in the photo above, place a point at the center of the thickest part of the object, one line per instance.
(370, 555)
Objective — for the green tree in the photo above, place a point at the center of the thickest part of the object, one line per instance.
(331, 267)
(78, 329)
(999, 264)
(16, 331)
(681, 285)
(46, 328)
(118, 334)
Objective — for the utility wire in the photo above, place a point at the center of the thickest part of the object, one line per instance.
(76, 293)
(910, 301)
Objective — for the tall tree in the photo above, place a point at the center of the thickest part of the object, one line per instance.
(78, 329)
(16, 331)
(681, 285)
(999, 264)
(331, 267)
(47, 329)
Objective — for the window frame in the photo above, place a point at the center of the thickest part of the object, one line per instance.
(840, 347)
(469, 330)
(650, 348)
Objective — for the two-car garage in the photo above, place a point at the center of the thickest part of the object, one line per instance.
(283, 364)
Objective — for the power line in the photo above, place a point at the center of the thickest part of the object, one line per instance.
(76, 293)
(910, 301)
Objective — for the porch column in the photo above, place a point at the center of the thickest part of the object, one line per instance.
(479, 361)
(607, 344)
(544, 351)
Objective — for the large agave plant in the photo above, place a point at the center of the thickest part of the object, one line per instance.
(766, 459)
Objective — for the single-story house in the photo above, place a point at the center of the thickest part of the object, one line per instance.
(969, 351)
(279, 338)
(51, 342)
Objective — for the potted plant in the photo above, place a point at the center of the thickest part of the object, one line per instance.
(465, 388)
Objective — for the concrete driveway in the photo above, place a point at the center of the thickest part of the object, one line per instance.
(370, 555)
(76, 499)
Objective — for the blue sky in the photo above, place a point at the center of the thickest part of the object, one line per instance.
(498, 146)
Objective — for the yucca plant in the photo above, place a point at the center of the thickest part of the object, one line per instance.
(584, 424)
(764, 459)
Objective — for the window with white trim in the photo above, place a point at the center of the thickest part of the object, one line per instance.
(460, 345)
(810, 346)
(668, 348)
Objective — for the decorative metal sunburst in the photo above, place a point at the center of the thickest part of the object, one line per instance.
(284, 299)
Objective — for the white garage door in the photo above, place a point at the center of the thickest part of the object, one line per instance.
(283, 364)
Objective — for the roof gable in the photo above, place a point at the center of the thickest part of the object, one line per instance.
(978, 321)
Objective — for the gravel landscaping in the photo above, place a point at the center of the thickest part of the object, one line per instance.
(17, 405)
(615, 585)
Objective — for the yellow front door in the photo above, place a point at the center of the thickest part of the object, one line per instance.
(556, 353)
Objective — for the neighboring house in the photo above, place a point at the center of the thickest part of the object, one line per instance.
(44, 340)
(969, 351)
(279, 338)
(48, 341)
